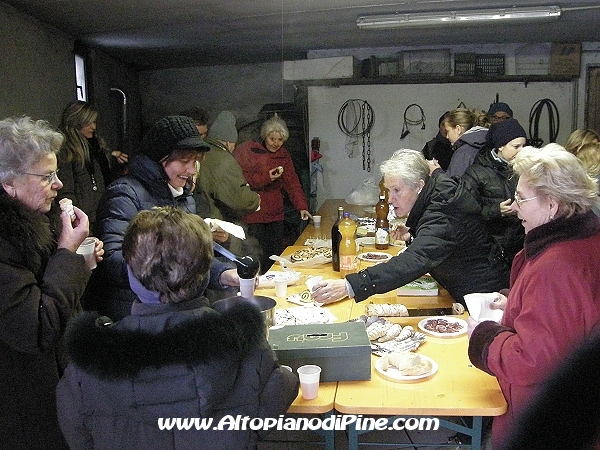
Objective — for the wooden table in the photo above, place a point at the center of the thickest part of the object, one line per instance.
(457, 389)
(342, 310)
(324, 403)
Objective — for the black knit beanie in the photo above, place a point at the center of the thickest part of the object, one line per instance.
(501, 133)
(172, 133)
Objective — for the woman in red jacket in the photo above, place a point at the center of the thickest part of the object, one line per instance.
(269, 170)
(554, 299)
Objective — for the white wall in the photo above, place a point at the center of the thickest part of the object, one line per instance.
(342, 174)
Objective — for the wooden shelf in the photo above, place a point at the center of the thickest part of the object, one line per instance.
(434, 79)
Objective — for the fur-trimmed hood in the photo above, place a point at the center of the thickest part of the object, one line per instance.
(27, 231)
(123, 349)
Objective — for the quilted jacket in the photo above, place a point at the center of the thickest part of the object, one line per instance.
(143, 188)
(449, 241)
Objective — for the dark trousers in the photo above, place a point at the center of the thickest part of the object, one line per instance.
(270, 238)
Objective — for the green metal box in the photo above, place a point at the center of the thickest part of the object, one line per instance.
(342, 350)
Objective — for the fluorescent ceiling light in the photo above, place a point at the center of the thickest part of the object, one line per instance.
(399, 20)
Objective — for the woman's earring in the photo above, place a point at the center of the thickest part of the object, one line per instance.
(11, 191)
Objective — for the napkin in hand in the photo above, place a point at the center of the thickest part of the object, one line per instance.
(231, 228)
(478, 305)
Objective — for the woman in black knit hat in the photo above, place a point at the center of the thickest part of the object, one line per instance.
(492, 182)
(160, 174)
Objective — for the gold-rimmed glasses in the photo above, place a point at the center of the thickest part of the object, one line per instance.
(519, 201)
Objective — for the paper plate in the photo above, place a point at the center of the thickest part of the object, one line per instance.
(367, 240)
(393, 374)
(423, 326)
(268, 278)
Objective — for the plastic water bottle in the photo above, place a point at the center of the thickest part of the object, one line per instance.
(347, 245)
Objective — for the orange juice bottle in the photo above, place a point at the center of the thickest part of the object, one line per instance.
(348, 254)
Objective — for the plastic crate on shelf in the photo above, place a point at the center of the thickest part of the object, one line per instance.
(464, 63)
(435, 62)
(478, 64)
(489, 64)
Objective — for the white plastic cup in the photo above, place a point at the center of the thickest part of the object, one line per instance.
(310, 282)
(247, 287)
(281, 288)
(309, 380)
(86, 249)
(316, 221)
(288, 368)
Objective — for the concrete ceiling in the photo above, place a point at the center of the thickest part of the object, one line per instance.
(154, 34)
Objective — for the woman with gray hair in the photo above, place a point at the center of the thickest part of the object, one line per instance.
(269, 170)
(554, 300)
(445, 232)
(42, 280)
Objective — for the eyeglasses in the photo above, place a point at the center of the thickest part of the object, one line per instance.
(520, 200)
(49, 178)
(500, 117)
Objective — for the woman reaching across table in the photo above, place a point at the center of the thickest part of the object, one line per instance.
(554, 300)
(446, 236)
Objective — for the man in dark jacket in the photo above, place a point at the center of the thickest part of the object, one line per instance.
(447, 238)
(159, 175)
(173, 357)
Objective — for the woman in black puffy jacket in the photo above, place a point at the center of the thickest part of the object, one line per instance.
(492, 182)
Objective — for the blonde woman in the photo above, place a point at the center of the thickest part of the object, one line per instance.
(85, 163)
(554, 300)
(580, 137)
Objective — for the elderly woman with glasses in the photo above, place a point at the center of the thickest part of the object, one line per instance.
(553, 304)
(41, 279)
